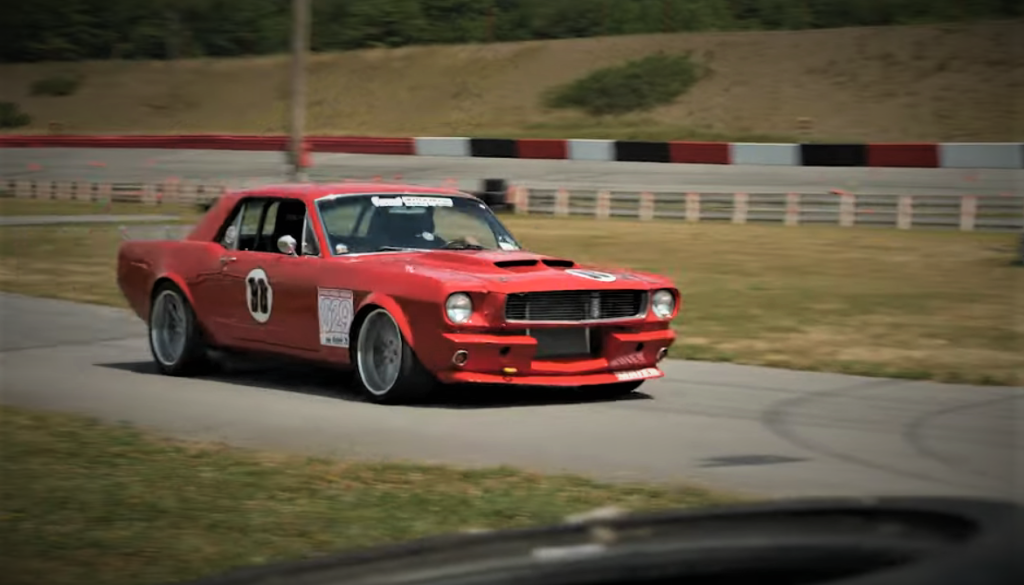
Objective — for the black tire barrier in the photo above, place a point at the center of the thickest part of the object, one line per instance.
(493, 148)
(834, 155)
(642, 151)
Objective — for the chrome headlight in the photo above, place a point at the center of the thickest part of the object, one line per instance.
(663, 302)
(458, 307)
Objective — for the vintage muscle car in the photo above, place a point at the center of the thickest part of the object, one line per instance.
(409, 287)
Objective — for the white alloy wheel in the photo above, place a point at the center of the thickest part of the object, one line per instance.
(379, 352)
(168, 330)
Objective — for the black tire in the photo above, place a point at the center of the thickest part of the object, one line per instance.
(193, 358)
(413, 382)
(613, 391)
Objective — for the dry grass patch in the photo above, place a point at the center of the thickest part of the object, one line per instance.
(10, 206)
(914, 83)
(83, 502)
(921, 304)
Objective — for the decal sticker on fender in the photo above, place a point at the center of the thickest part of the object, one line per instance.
(637, 374)
(335, 308)
(591, 274)
(259, 295)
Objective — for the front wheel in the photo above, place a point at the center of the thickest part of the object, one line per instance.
(388, 370)
(175, 339)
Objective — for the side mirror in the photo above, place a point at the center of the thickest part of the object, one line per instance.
(286, 245)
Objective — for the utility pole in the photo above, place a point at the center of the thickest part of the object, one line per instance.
(300, 48)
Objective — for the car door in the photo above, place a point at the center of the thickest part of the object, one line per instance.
(273, 294)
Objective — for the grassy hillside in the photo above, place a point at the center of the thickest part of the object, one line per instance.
(944, 82)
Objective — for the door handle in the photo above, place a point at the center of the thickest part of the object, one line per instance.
(227, 259)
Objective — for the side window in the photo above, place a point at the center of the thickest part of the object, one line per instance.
(270, 220)
(241, 231)
(248, 228)
(229, 237)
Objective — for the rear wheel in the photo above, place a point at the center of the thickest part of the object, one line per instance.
(388, 370)
(175, 339)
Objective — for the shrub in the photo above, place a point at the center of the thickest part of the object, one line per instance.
(11, 116)
(57, 85)
(634, 86)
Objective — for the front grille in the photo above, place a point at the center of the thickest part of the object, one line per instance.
(575, 305)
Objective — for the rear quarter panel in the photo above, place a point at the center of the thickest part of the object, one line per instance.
(141, 264)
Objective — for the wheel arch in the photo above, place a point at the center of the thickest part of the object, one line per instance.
(171, 279)
(179, 283)
(389, 304)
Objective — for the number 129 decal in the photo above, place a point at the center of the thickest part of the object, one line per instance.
(259, 295)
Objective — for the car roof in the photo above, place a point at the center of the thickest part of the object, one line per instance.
(313, 191)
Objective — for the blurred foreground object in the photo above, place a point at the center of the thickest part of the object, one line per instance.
(907, 541)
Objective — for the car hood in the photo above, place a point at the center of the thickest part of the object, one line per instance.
(507, 271)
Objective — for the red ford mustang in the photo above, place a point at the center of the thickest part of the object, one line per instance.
(410, 286)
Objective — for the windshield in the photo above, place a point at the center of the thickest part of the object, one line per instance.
(371, 223)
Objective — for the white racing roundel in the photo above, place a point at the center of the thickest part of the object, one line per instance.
(259, 296)
(592, 275)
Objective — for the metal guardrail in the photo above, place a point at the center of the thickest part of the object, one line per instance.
(1001, 213)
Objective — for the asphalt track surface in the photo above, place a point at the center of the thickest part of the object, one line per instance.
(762, 431)
(117, 165)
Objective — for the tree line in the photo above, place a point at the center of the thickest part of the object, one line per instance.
(69, 30)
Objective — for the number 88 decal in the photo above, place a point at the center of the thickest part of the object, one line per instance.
(259, 296)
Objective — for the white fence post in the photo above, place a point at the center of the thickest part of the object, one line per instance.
(82, 191)
(693, 207)
(522, 201)
(148, 194)
(792, 209)
(562, 202)
(968, 212)
(740, 204)
(63, 190)
(905, 212)
(646, 206)
(105, 193)
(45, 189)
(23, 189)
(847, 209)
(603, 209)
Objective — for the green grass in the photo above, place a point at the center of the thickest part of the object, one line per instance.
(10, 206)
(82, 502)
(915, 304)
(635, 86)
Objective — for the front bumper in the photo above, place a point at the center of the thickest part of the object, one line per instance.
(503, 359)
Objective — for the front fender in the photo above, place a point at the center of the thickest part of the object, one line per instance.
(392, 306)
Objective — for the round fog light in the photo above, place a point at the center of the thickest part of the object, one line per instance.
(460, 358)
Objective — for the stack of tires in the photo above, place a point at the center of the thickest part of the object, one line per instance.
(492, 192)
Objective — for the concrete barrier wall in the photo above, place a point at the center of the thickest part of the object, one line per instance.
(747, 153)
(600, 150)
(442, 146)
(913, 155)
(1007, 155)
